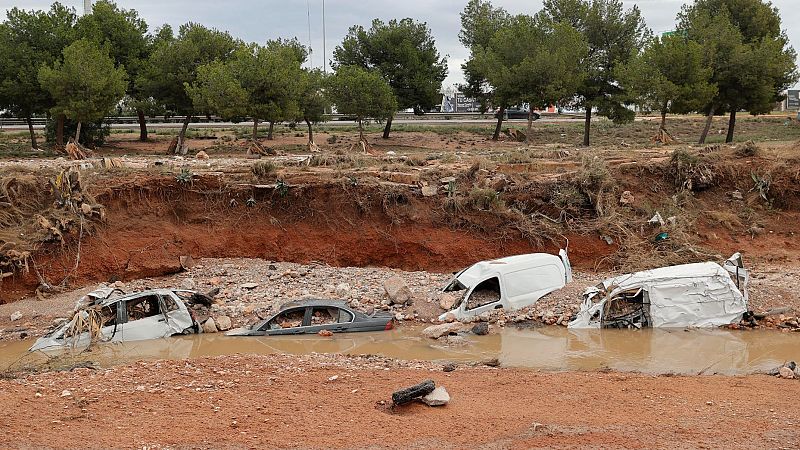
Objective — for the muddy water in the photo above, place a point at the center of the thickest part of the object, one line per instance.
(549, 348)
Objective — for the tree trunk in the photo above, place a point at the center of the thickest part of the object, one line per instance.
(587, 127)
(142, 125)
(709, 119)
(310, 132)
(182, 135)
(78, 133)
(271, 128)
(388, 127)
(664, 119)
(34, 145)
(500, 114)
(530, 126)
(60, 130)
(731, 127)
(360, 130)
(255, 130)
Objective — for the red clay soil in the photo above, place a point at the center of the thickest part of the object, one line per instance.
(150, 226)
(280, 402)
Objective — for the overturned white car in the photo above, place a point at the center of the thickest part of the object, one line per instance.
(108, 315)
(508, 283)
(688, 295)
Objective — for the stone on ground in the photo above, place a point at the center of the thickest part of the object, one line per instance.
(439, 397)
(209, 326)
(437, 331)
(397, 291)
(223, 323)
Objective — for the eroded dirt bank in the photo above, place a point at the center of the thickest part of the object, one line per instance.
(334, 402)
(434, 217)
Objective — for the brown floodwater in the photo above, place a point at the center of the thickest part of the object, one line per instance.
(547, 348)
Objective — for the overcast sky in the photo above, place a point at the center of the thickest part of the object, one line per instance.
(259, 20)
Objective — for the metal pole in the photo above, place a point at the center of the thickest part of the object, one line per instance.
(310, 48)
(87, 7)
(324, 42)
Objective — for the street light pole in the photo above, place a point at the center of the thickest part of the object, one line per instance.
(324, 43)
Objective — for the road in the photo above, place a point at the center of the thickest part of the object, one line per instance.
(334, 123)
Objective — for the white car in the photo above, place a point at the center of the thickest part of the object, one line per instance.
(688, 295)
(133, 317)
(508, 283)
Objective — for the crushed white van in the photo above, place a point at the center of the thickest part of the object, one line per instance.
(508, 283)
(688, 295)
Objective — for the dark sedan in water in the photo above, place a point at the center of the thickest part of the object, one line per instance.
(313, 316)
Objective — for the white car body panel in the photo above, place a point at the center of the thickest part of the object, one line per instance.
(690, 295)
(154, 327)
(523, 279)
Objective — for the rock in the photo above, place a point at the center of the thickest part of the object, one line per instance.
(481, 329)
(118, 285)
(447, 301)
(430, 191)
(66, 393)
(216, 281)
(485, 316)
(448, 180)
(224, 323)
(494, 362)
(188, 284)
(437, 331)
(786, 373)
(16, 315)
(201, 155)
(249, 286)
(325, 333)
(209, 326)
(450, 318)
(449, 367)
(412, 393)
(438, 397)
(398, 291)
(627, 198)
(343, 290)
(454, 341)
(737, 195)
(57, 322)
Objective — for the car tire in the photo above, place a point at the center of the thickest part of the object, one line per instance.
(412, 393)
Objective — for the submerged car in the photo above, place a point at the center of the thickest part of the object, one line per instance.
(508, 283)
(688, 295)
(313, 316)
(108, 315)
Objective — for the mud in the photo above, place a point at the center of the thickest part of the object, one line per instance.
(335, 402)
(689, 352)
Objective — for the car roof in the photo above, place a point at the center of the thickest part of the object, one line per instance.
(112, 300)
(481, 270)
(670, 273)
(313, 302)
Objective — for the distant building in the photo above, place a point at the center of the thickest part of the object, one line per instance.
(792, 102)
(87, 7)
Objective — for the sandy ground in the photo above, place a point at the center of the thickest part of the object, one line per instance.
(340, 402)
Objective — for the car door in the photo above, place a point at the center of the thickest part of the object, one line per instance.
(143, 318)
(330, 318)
(484, 296)
(291, 321)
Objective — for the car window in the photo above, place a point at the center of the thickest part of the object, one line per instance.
(291, 318)
(485, 293)
(170, 304)
(142, 307)
(345, 316)
(321, 315)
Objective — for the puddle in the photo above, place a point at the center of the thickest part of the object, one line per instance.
(548, 348)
